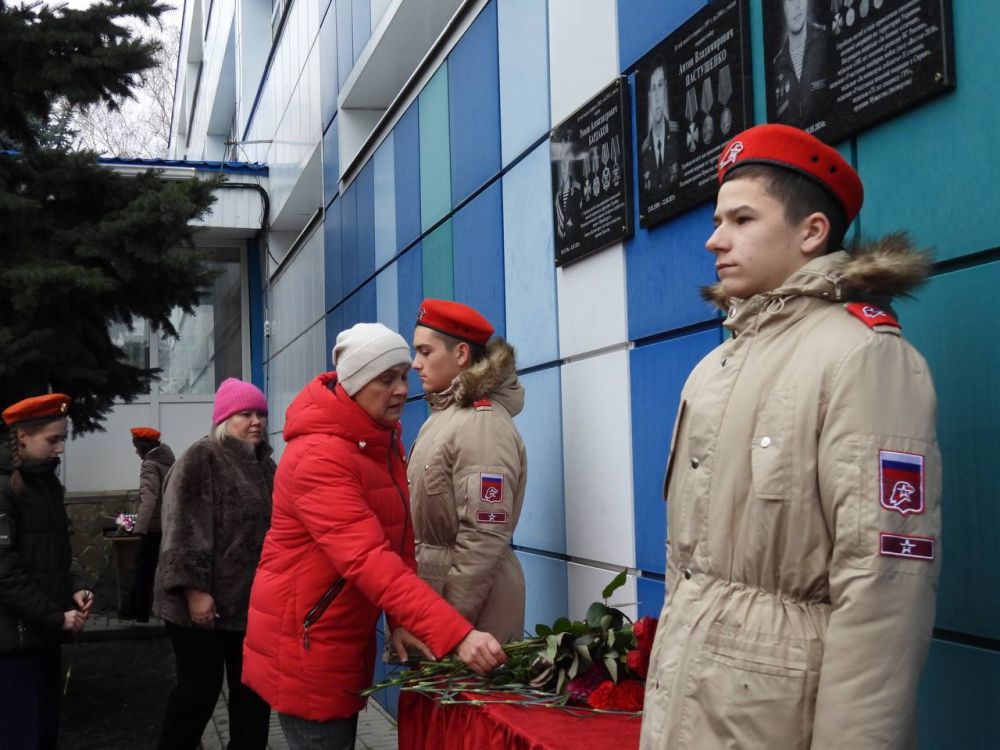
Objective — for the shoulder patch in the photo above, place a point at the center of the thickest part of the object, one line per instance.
(870, 315)
(483, 404)
(901, 545)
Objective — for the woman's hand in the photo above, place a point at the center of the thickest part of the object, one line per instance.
(403, 640)
(73, 621)
(481, 652)
(201, 607)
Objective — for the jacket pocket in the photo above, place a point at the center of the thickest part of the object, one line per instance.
(672, 452)
(751, 690)
(772, 450)
(317, 610)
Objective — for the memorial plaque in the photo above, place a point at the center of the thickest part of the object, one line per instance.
(693, 94)
(590, 153)
(835, 67)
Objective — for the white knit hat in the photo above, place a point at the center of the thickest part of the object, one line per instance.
(365, 351)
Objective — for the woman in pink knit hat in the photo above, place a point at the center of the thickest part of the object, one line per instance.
(216, 510)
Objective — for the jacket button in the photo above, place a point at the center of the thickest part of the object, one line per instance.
(687, 574)
(694, 463)
(426, 467)
(765, 442)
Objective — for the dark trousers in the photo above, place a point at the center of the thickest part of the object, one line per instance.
(146, 557)
(302, 734)
(202, 657)
(29, 699)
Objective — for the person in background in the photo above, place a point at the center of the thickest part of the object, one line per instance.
(340, 552)
(468, 468)
(157, 458)
(41, 601)
(216, 510)
(804, 478)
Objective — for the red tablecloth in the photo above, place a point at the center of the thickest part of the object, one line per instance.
(425, 724)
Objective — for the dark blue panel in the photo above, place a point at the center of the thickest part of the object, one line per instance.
(407, 158)
(350, 309)
(414, 414)
(332, 251)
(474, 106)
(362, 20)
(349, 237)
(642, 25)
(411, 293)
(477, 237)
(367, 303)
(959, 698)
(334, 325)
(329, 84)
(331, 163)
(366, 221)
(658, 372)
(255, 290)
(389, 698)
(650, 593)
(345, 44)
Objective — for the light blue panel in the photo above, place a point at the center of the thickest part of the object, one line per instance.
(332, 252)
(328, 82)
(959, 698)
(543, 516)
(331, 163)
(349, 237)
(642, 25)
(411, 294)
(477, 237)
(474, 106)
(965, 366)
(414, 414)
(385, 201)
(435, 172)
(529, 269)
(650, 594)
(931, 170)
(345, 43)
(366, 221)
(524, 74)
(334, 325)
(387, 290)
(406, 136)
(657, 373)
(665, 267)
(362, 20)
(546, 596)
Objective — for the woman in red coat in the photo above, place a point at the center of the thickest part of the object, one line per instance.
(340, 551)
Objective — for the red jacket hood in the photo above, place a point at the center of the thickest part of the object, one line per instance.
(324, 407)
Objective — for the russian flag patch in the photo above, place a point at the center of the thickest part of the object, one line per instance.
(901, 481)
(491, 488)
(898, 545)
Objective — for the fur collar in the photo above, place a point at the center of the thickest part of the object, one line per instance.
(494, 376)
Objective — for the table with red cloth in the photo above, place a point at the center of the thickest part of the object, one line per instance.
(426, 724)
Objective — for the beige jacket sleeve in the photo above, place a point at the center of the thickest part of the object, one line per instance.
(488, 486)
(884, 567)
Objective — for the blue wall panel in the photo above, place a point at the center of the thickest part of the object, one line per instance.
(642, 25)
(477, 237)
(414, 414)
(474, 106)
(411, 293)
(546, 595)
(361, 18)
(329, 84)
(366, 221)
(367, 303)
(664, 269)
(529, 270)
(543, 516)
(657, 372)
(332, 252)
(384, 162)
(522, 29)
(389, 698)
(331, 163)
(959, 699)
(349, 237)
(406, 135)
(345, 42)
(650, 593)
(334, 325)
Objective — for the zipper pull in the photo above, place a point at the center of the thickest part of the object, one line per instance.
(305, 638)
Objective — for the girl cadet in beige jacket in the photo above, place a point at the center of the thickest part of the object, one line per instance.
(803, 487)
(468, 468)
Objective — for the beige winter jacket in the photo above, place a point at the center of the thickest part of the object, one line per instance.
(467, 471)
(803, 491)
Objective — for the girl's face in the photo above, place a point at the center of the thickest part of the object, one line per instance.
(48, 441)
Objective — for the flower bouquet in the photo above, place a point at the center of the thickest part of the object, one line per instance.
(598, 663)
(125, 524)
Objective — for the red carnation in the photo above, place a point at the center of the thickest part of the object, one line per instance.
(581, 686)
(645, 631)
(637, 660)
(603, 697)
(629, 695)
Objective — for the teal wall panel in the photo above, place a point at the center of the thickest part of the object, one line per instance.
(435, 149)
(959, 699)
(439, 276)
(965, 371)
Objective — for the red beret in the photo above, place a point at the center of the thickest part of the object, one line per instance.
(455, 319)
(37, 409)
(791, 148)
(146, 433)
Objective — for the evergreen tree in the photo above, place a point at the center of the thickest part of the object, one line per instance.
(81, 246)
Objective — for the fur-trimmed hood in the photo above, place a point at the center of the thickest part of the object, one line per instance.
(493, 377)
(876, 272)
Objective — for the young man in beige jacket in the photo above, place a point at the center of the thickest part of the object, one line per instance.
(804, 478)
(468, 468)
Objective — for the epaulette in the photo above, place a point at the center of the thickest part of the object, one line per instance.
(874, 317)
(483, 404)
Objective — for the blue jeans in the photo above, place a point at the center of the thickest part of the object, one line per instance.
(335, 734)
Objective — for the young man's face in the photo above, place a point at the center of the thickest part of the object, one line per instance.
(435, 365)
(755, 247)
(795, 14)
